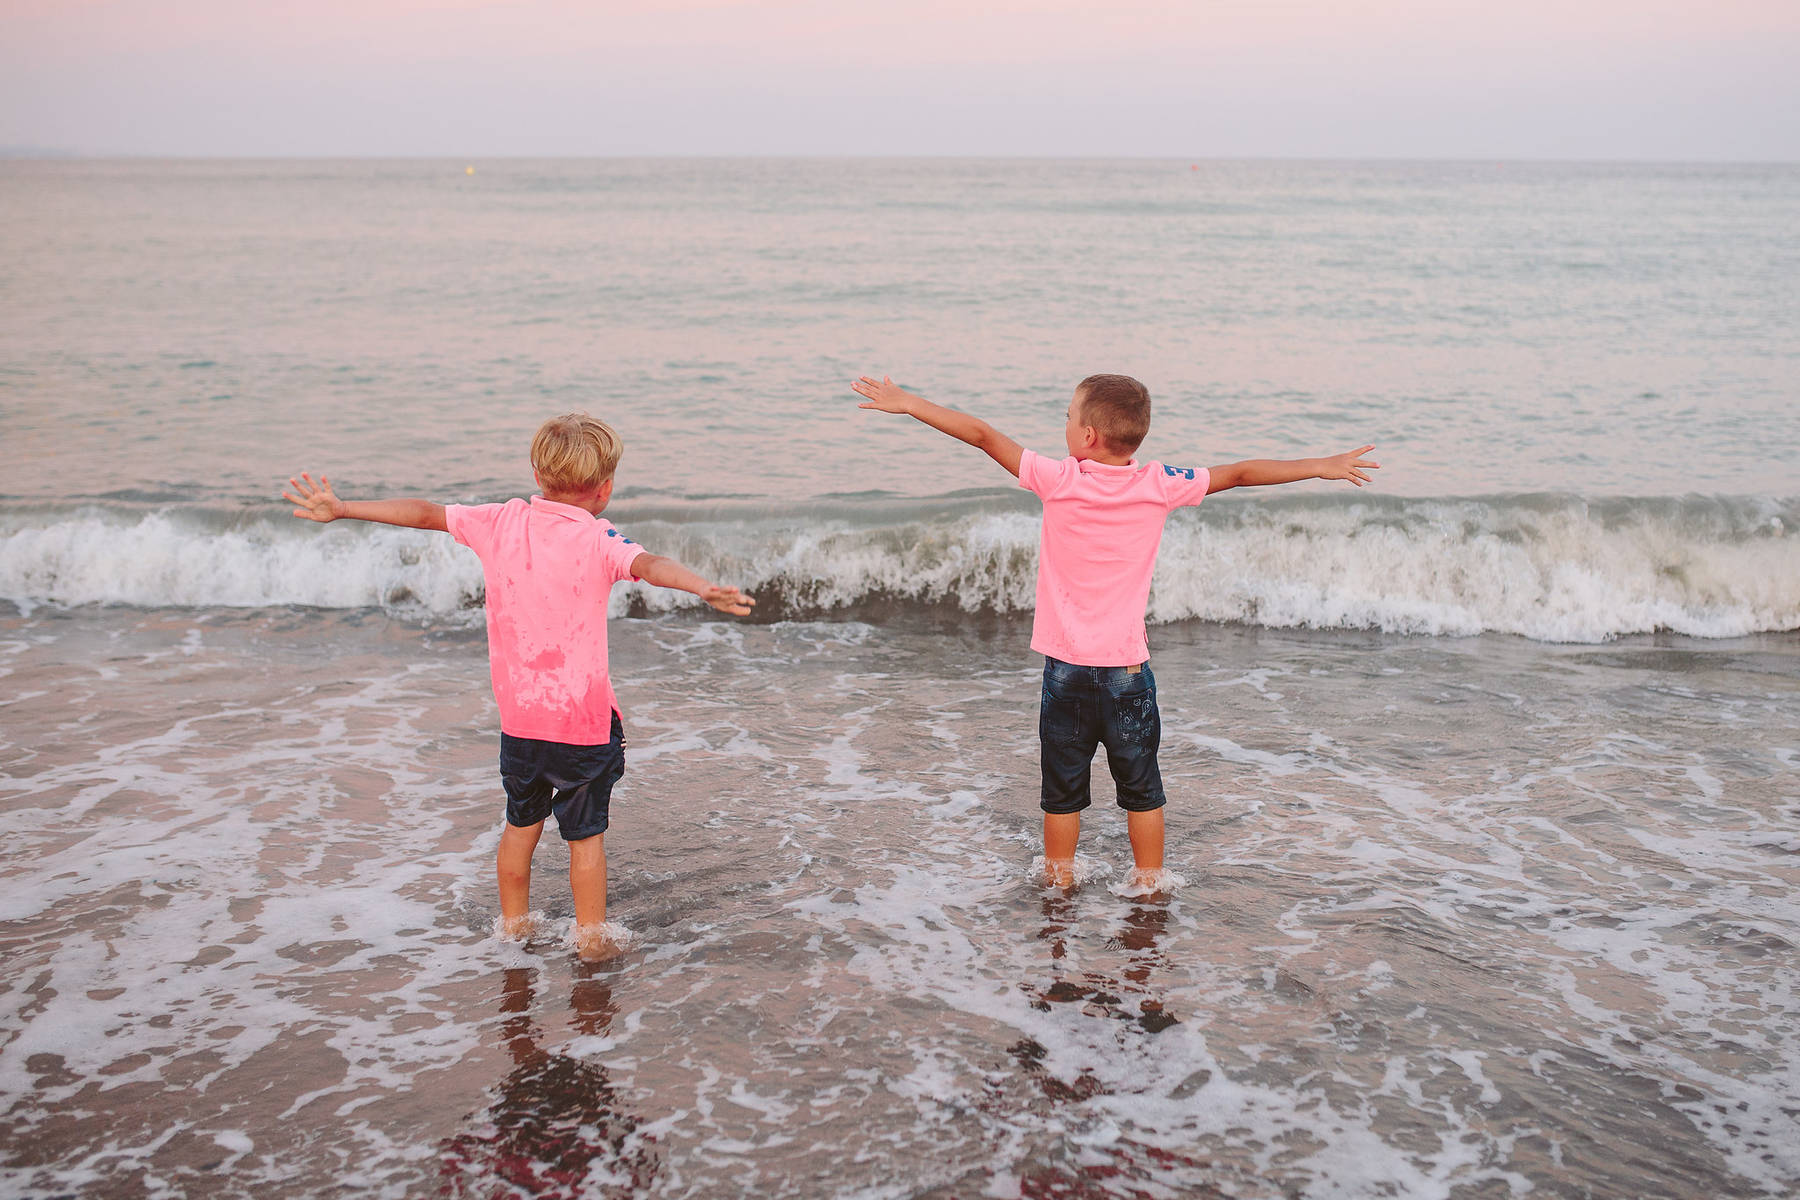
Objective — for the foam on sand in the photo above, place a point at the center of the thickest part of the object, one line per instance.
(1081, 870)
(1139, 884)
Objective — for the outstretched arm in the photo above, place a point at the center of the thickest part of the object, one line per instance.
(316, 502)
(1260, 472)
(666, 572)
(885, 395)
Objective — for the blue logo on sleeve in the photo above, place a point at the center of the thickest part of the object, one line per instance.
(1184, 472)
(620, 536)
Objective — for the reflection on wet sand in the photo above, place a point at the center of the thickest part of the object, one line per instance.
(555, 1126)
(1093, 1159)
(1127, 998)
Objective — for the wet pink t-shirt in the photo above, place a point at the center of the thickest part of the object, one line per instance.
(550, 569)
(1097, 551)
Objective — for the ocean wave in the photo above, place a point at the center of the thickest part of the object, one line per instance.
(1548, 567)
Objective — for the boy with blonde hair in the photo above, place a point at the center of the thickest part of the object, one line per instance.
(550, 564)
(1103, 521)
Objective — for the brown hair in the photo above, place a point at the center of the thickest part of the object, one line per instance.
(575, 453)
(1118, 407)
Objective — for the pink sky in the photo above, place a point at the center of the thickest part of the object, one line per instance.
(1456, 78)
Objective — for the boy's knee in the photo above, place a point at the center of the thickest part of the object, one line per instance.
(511, 834)
(587, 850)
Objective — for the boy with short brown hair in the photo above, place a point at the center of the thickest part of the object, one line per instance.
(1103, 522)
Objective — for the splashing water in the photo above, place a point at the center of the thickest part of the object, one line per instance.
(1078, 872)
(1148, 883)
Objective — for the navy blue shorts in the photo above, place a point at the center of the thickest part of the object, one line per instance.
(1087, 707)
(574, 782)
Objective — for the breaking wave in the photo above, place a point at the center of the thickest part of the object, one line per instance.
(1550, 567)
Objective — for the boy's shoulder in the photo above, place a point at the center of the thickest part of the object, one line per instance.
(492, 507)
(500, 527)
(466, 521)
(607, 529)
(1070, 468)
(1109, 484)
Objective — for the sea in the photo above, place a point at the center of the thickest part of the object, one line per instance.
(1484, 779)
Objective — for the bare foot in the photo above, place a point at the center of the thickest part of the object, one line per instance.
(595, 943)
(1059, 872)
(1149, 881)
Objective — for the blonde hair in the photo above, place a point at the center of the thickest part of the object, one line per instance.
(575, 453)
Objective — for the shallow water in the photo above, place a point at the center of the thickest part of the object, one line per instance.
(1463, 918)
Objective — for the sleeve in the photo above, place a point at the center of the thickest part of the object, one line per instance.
(472, 524)
(1184, 485)
(618, 552)
(1039, 474)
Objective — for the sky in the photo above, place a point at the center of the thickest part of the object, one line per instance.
(1699, 80)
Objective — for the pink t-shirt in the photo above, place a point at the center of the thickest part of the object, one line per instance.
(550, 569)
(1097, 551)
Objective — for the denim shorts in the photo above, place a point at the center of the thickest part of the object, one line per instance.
(1087, 707)
(574, 782)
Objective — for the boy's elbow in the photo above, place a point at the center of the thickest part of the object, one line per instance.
(645, 566)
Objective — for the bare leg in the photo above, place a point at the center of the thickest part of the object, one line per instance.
(1060, 833)
(587, 879)
(513, 866)
(1146, 830)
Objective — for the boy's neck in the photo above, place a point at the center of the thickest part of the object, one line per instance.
(1111, 460)
(593, 502)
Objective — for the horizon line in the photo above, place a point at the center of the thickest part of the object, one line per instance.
(59, 154)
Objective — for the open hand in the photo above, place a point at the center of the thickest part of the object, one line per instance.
(314, 501)
(729, 600)
(1349, 465)
(884, 395)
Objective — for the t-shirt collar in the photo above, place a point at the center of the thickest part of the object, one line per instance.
(1086, 465)
(559, 509)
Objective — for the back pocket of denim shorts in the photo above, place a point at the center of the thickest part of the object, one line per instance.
(1059, 720)
(1136, 719)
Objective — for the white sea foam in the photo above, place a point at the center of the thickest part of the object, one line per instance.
(1135, 886)
(1551, 568)
(599, 940)
(1084, 869)
(602, 939)
(1170, 1089)
(519, 932)
(171, 559)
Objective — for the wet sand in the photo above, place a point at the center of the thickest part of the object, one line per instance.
(1462, 917)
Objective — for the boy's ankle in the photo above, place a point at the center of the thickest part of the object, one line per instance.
(1059, 872)
(517, 929)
